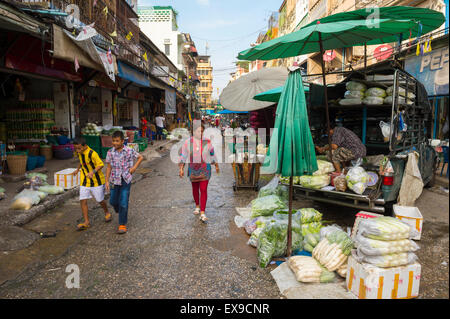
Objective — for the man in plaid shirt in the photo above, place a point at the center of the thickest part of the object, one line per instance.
(122, 164)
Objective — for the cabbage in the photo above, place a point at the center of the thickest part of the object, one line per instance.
(373, 100)
(311, 228)
(350, 101)
(354, 95)
(376, 92)
(325, 167)
(355, 86)
(315, 182)
(309, 215)
(357, 179)
(267, 205)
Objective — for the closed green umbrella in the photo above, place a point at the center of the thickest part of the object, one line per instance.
(273, 95)
(291, 140)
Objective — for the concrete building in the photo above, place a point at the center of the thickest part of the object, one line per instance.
(205, 89)
(159, 23)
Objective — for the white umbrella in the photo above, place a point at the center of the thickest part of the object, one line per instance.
(238, 95)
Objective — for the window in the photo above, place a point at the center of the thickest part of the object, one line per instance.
(167, 49)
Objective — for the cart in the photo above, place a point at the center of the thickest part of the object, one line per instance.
(246, 175)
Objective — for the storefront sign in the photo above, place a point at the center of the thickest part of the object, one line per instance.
(131, 74)
(171, 101)
(431, 70)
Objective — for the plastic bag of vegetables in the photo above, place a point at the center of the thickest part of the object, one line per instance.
(340, 183)
(22, 203)
(401, 92)
(252, 224)
(315, 182)
(354, 95)
(386, 261)
(373, 100)
(309, 215)
(272, 241)
(311, 228)
(270, 188)
(325, 167)
(356, 101)
(53, 190)
(283, 215)
(35, 196)
(333, 250)
(310, 241)
(376, 92)
(43, 177)
(385, 228)
(267, 205)
(260, 224)
(355, 86)
(357, 178)
(307, 269)
(374, 247)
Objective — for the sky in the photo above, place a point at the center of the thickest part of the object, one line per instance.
(228, 26)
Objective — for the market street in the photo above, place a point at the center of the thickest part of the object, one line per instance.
(169, 253)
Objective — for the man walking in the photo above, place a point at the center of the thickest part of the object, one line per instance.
(159, 126)
(121, 166)
(92, 180)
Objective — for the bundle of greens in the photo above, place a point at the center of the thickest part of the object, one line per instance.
(267, 205)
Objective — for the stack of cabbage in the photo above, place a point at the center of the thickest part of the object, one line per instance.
(374, 96)
(311, 220)
(91, 129)
(385, 242)
(355, 93)
(307, 269)
(320, 178)
(272, 241)
(333, 250)
(402, 94)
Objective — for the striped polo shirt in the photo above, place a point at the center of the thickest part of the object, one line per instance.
(89, 160)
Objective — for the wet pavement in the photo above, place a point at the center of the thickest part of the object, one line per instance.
(169, 253)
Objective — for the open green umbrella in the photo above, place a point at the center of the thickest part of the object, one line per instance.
(291, 150)
(273, 95)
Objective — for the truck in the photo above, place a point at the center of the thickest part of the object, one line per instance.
(410, 99)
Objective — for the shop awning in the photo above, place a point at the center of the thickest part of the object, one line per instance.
(131, 74)
(14, 20)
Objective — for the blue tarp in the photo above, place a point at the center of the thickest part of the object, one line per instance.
(131, 74)
(231, 112)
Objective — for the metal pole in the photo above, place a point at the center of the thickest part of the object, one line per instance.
(291, 191)
(326, 93)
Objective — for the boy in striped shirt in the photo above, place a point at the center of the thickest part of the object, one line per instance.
(92, 182)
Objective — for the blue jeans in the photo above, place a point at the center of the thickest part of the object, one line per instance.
(120, 195)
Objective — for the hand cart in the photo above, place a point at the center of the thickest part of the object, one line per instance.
(246, 175)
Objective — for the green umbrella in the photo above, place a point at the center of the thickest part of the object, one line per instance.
(273, 95)
(291, 140)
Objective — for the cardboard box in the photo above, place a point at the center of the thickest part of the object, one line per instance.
(411, 216)
(366, 281)
(66, 180)
(362, 215)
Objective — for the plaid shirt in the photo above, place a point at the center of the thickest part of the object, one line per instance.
(121, 163)
(345, 138)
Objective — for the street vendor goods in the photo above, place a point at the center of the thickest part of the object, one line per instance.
(386, 261)
(376, 92)
(309, 215)
(342, 271)
(401, 92)
(272, 241)
(385, 228)
(355, 86)
(307, 269)
(354, 95)
(354, 101)
(310, 241)
(333, 250)
(373, 100)
(22, 203)
(267, 205)
(340, 183)
(357, 179)
(315, 182)
(324, 168)
(53, 190)
(374, 247)
(274, 188)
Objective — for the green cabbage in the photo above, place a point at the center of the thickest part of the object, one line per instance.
(310, 215)
(315, 182)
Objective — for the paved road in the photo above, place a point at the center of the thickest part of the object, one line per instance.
(169, 253)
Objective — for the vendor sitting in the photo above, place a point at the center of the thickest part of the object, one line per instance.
(345, 145)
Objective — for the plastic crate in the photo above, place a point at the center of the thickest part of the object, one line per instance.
(93, 142)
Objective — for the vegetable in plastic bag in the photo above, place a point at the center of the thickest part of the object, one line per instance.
(43, 177)
(373, 247)
(355, 86)
(267, 205)
(333, 250)
(310, 241)
(283, 215)
(357, 178)
(376, 92)
(270, 188)
(315, 182)
(386, 261)
(354, 95)
(307, 269)
(22, 203)
(325, 167)
(34, 196)
(373, 100)
(386, 228)
(357, 101)
(272, 241)
(309, 215)
(401, 100)
(401, 92)
(50, 189)
(340, 183)
(311, 228)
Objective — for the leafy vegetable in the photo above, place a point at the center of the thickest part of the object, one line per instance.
(310, 215)
(267, 205)
(315, 182)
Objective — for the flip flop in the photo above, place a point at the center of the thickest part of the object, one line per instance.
(122, 229)
(197, 211)
(108, 218)
(203, 218)
(83, 226)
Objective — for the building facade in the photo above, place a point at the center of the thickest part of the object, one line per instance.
(205, 89)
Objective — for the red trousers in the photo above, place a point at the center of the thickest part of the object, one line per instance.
(200, 192)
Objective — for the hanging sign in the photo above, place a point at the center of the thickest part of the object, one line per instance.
(329, 55)
(383, 52)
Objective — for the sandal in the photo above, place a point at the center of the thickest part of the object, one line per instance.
(197, 211)
(203, 218)
(122, 229)
(83, 226)
(108, 217)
